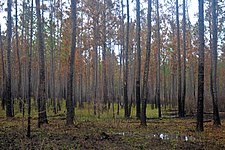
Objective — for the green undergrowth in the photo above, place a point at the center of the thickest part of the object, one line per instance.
(109, 134)
(106, 132)
(85, 113)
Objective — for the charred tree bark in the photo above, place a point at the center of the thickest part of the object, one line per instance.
(29, 74)
(179, 61)
(138, 77)
(121, 60)
(214, 57)
(126, 112)
(69, 102)
(146, 71)
(95, 61)
(42, 115)
(52, 43)
(200, 102)
(81, 104)
(158, 63)
(59, 62)
(184, 63)
(105, 87)
(19, 90)
(3, 72)
(9, 102)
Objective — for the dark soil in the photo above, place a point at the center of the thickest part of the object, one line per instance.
(110, 134)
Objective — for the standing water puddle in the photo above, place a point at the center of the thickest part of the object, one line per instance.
(163, 136)
(166, 136)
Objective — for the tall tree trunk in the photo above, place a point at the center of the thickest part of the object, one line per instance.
(42, 115)
(93, 71)
(184, 59)
(214, 56)
(86, 75)
(95, 60)
(29, 73)
(138, 77)
(3, 72)
(52, 43)
(105, 88)
(121, 59)
(23, 47)
(9, 103)
(19, 91)
(146, 71)
(98, 81)
(179, 61)
(200, 103)
(131, 77)
(89, 75)
(164, 84)
(158, 63)
(173, 72)
(59, 61)
(69, 102)
(81, 105)
(126, 112)
(120, 81)
(113, 85)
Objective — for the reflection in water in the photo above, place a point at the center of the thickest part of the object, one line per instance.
(163, 136)
(121, 133)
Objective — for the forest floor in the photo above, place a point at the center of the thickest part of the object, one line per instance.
(107, 133)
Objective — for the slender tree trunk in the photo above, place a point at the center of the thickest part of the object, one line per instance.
(9, 103)
(200, 103)
(179, 61)
(126, 112)
(81, 105)
(86, 76)
(29, 74)
(52, 42)
(3, 72)
(120, 81)
(146, 71)
(113, 85)
(69, 102)
(23, 65)
(105, 88)
(89, 75)
(184, 59)
(164, 84)
(158, 63)
(42, 115)
(121, 59)
(98, 81)
(214, 56)
(138, 77)
(93, 74)
(173, 73)
(132, 78)
(59, 62)
(19, 91)
(95, 61)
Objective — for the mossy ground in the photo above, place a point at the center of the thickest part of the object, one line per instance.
(91, 132)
